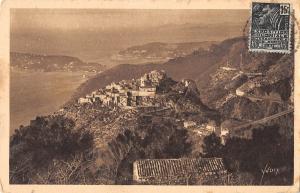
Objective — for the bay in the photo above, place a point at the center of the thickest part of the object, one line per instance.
(40, 93)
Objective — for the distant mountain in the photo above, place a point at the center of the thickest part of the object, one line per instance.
(50, 63)
(160, 52)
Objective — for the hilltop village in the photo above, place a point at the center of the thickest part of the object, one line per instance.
(126, 94)
(151, 91)
(146, 92)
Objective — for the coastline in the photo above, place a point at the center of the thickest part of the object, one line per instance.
(45, 91)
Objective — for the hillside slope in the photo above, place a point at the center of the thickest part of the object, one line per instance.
(222, 73)
(112, 137)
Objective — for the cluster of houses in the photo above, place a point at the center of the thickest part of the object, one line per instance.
(133, 93)
(202, 129)
(223, 130)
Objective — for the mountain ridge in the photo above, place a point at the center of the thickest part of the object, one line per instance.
(159, 51)
(50, 63)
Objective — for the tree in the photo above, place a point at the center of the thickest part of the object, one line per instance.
(33, 148)
(267, 147)
(178, 144)
(212, 146)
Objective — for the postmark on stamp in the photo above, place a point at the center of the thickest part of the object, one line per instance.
(270, 27)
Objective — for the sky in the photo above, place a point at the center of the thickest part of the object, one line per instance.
(97, 34)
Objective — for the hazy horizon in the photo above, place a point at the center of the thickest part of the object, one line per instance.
(95, 35)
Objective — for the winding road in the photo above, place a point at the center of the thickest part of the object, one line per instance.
(265, 119)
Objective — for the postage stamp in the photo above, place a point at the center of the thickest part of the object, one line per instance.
(270, 29)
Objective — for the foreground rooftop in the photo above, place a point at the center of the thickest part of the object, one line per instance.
(156, 169)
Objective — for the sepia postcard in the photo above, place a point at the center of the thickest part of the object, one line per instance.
(135, 96)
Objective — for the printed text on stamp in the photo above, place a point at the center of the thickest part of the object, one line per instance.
(270, 27)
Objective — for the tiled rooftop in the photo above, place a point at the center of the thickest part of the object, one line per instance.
(160, 168)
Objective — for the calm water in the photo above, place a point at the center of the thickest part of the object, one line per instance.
(39, 93)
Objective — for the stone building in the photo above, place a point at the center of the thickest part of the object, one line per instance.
(84, 100)
(170, 171)
(189, 124)
(202, 129)
(153, 78)
(231, 128)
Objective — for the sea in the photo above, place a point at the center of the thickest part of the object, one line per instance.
(40, 93)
